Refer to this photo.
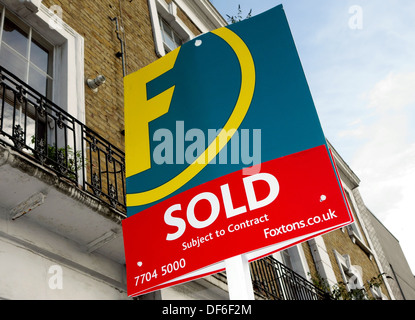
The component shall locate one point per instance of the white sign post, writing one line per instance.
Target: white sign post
(239, 278)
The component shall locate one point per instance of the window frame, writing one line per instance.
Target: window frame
(298, 261)
(174, 36)
(168, 12)
(32, 37)
(353, 227)
(68, 90)
(347, 272)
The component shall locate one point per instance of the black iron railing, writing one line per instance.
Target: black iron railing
(38, 128)
(273, 280)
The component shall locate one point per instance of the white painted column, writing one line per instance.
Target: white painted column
(239, 278)
(322, 259)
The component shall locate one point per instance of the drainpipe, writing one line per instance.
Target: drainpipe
(122, 53)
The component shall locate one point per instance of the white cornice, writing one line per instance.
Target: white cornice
(344, 168)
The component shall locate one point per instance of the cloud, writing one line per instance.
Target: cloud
(387, 130)
(388, 149)
(385, 161)
(393, 93)
(400, 217)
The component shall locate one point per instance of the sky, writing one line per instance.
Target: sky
(359, 60)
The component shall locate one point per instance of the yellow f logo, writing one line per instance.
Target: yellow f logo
(139, 112)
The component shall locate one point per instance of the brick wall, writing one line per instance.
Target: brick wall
(341, 242)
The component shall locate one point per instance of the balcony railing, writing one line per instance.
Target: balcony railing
(35, 126)
(272, 280)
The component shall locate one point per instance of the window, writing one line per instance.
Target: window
(286, 258)
(26, 54)
(353, 226)
(171, 39)
(169, 30)
(352, 276)
(55, 65)
(29, 57)
(294, 259)
(43, 51)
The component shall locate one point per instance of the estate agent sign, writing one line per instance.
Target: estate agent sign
(225, 155)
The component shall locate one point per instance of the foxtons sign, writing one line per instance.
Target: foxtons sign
(225, 155)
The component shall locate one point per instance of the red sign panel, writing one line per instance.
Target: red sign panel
(293, 197)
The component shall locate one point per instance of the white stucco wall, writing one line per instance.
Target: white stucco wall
(37, 264)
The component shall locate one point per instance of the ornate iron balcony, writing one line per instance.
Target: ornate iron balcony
(36, 127)
(272, 280)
